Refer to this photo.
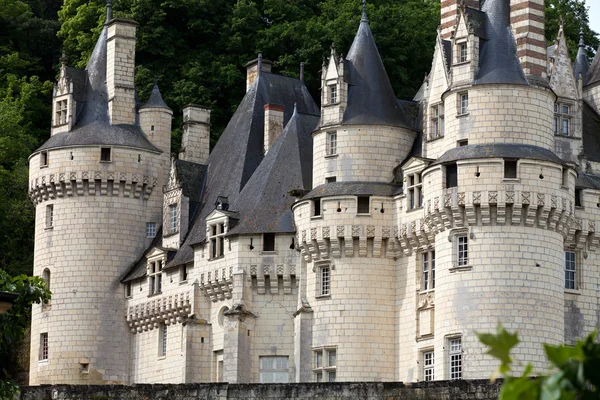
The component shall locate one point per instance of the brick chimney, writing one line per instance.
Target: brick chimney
(253, 67)
(449, 14)
(120, 70)
(527, 21)
(195, 142)
(273, 124)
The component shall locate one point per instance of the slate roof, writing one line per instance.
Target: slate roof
(354, 189)
(78, 78)
(371, 99)
(447, 53)
(265, 203)
(498, 61)
(477, 21)
(191, 177)
(581, 65)
(92, 125)
(591, 133)
(587, 181)
(593, 74)
(497, 150)
(239, 151)
(155, 100)
(138, 268)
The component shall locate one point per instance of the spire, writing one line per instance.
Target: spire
(108, 10)
(364, 12)
(581, 65)
(498, 60)
(371, 99)
(155, 100)
(260, 62)
(302, 71)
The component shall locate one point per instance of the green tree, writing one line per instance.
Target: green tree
(14, 322)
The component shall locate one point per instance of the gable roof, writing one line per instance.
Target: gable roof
(591, 133)
(593, 74)
(265, 203)
(371, 99)
(239, 151)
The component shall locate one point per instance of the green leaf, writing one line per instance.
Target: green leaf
(500, 346)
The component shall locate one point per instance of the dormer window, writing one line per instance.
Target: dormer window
(562, 119)
(462, 52)
(216, 238)
(414, 193)
(61, 112)
(332, 94)
(172, 218)
(155, 275)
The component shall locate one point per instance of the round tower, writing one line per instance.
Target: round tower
(96, 186)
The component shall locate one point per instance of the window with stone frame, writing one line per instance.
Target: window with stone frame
(216, 240)
(183, 273)
(323, 280)
(462, 250)
(428, 362)
(414, 192)
(43, 159)
(162, 340)
(43, 353)
(50, 216)
(510, 168)
(563, 118)
(173, 218)
(333, 94)
(150, 229)
(325, 364)
(462, 52)
(61, 112)
(274, 369)
(463, 103)
(155, 272)
(269, 242)
(455, 365)
(572, 273)
(427, 259)
(437, 121)
(331, 143)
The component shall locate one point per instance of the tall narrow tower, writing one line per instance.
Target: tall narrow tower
(96, 186)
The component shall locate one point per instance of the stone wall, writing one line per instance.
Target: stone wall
(447, 390)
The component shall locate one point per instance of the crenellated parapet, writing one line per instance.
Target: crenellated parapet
(90, 183)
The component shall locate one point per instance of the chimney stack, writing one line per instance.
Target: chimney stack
(195, 143)
(120, 70)
(252, 69)
(527, 21)
(273, 124)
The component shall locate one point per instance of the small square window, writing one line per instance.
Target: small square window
(43, 159)
(150, 229)
(463, 142)
(363, 205)
(268, 242)
(330, 179)
(331, 143)
(105, 154)
(510, 169)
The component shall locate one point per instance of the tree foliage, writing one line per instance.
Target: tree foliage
(575, 370)
(575, 16)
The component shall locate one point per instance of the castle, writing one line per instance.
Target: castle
(367, 239)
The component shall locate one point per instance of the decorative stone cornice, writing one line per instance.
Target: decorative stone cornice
(168, 309)
(283, 272)
(217, 285)
(90, 183)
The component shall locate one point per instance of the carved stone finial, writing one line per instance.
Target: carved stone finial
(64, 59)
(108, 10)
(364, 11)
(302, 71)
(581, 42)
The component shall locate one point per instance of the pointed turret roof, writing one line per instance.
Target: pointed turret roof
(371, 99)
(593, 74)
(498, 60)
(155, 100)
(582, 64)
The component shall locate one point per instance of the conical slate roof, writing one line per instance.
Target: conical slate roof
(593, 74)
(264, 205)
(371, 99)
(582, 64)
(155, 100)
(498, 60)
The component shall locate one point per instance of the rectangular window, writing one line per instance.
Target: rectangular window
(566, 125)
(556, 119)
(274, 369)
(578, 198)
(455, 358)
(570, 270)
(332, 94)
(155, 275)
(462, 51)
(428, 366)
(451, 176)
(463, 105)
(462, 251)
(363, 205)
(463, 142)
(183, 276)
(128, 288)
(325, 364)
(562, 119)
(61, 112)
(162, 340)
(437, 121)
(330, 179)
(510, 169)
(565, 177)
(331, 143)
(415, 191)
(172, 218)
(428, 270)
(216, 238)
(43, 347)
(50, 216)
(268, 242)
(150, 229)
(43, 159)
(317, 209)
(324, 281)
(105, 154)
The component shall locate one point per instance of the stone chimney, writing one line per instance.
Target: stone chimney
(273, 124)
(252, 69)
(449, 14)
(120, 71)
(527, 21)
(195, 143)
